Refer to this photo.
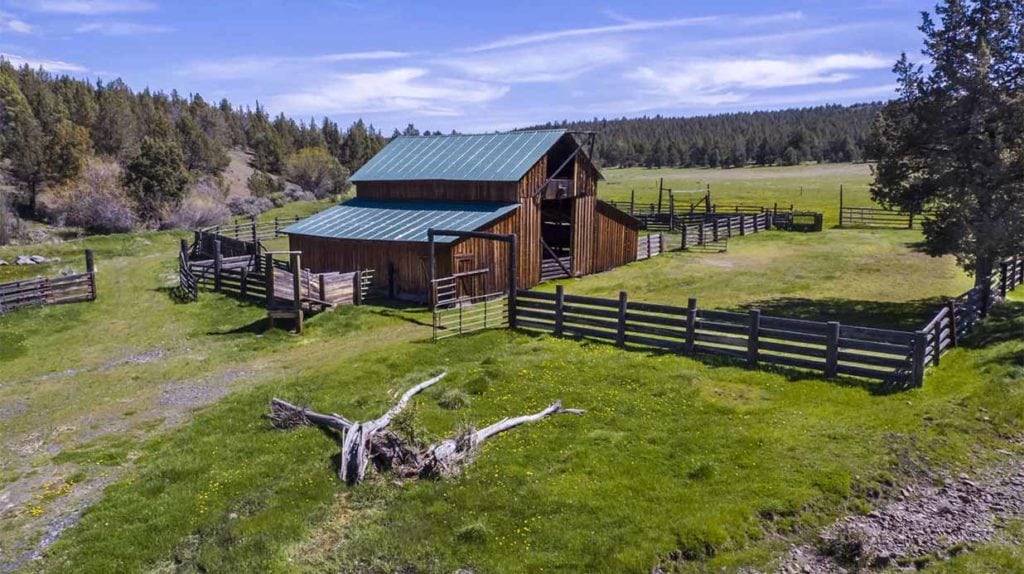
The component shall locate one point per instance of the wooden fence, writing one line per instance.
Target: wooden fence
(829, 348)
(877, 217)
(50, 290)
(648, 246)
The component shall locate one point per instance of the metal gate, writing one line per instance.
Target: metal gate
(455, 314)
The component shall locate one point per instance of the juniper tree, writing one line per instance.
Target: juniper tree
(953, 139)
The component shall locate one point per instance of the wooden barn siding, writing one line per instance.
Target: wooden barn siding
(528, 217)
(585, 248)
(615, 243)
(321, 254)
(487, 254)
(438, 190)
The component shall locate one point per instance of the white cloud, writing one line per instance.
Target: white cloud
(709, 77)
(11, 23)
(550, 63)
(123, 29)
(626, 26)
(258, 66)
(48, 65)
(400, 89)
(90, 7)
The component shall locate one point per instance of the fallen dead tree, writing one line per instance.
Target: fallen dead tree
(371, 441)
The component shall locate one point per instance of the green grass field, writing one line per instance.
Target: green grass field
(806, 187)
(147, 414)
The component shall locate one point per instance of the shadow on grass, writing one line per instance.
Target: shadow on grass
(791, 374)
(257, 327)
(903, 316)
(1004, 323)
(395, 309)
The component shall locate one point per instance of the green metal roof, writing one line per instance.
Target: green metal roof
(481, 157)
(380, 220)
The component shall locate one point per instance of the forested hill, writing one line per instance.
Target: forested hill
(824, 134)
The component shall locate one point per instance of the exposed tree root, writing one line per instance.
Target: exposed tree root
(363, 442)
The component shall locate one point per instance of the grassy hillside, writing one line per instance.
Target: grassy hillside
(132, 426)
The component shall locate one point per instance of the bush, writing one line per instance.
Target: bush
(453, 400)
(249, 206)
(262, 184)
(95, 201)
(197, 212)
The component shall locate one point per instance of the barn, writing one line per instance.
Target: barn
(539, 185)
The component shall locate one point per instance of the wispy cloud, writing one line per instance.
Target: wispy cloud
(46, 64)
(90, 7)
(254, 66)
(549, 63)
(715, 75)
(11, 23)
(627, 25)
(400, 89)
(123, 29)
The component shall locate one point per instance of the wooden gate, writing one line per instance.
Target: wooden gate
(455, 314)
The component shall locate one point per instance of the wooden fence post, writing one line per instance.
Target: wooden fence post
(937, 342)
(752, 338)
(840, 205)
(691, 324)
(277, 226)
(1004, 280)
(919, 351)
(632, 201)
(357, 286)
(649, 253)
(296, 265)
(832, 350)
(683, 242)
(986, 295)
(269, 272)
(620, 336)
(217, 262)
(743, 225)
(951, 305)
(559, 310)
(244, 282)
(90, 268)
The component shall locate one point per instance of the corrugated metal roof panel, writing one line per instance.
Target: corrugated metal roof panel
(379, 220)
(481, 157)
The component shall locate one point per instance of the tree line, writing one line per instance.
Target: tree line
(62, 136)
(830, 133)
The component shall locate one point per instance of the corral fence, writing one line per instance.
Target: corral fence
(830, 348)
(878, 217)
(454, 314)
(648, 246)
(960, 314)
(240, 237)
(59, 290)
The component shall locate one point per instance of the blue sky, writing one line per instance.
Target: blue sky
(476, 65)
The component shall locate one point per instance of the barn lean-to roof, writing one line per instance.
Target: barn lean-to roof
(499, 157)
(396, 220)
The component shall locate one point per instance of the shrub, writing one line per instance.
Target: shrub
(197, 212)
(453, 400)
(249, 206)
(473, 533)
(262, 184)
(315, 170)
(95, 201)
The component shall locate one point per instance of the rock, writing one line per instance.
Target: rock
(24, 260)
(2, 263)
(38, 258)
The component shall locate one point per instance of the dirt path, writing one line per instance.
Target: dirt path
(935, 519)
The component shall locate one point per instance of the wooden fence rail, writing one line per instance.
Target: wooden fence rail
(829, 348)
(50, 290)
(648, 246)
(878, 217)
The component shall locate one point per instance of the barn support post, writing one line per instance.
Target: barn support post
(431, 272)
(753, 335)
(632, 201)
(691, 324)
(661, 187)
(832, 350)
(840, 205)
(357, 288)
(216, 265)
(392, 288)
(513, 279)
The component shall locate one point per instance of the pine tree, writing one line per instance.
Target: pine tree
(156, 178)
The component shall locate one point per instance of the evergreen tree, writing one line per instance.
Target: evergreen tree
(156, 178)
(954, 139)
(21, 138)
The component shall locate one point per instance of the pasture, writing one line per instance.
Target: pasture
(145, 414)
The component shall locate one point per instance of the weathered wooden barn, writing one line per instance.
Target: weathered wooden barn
(539, 185)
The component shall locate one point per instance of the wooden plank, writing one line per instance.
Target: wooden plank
(656, 308)
(817, 352)
(881, 335)
(797, 362)
(590, 322)
(797, 325)
(594, 301)
(592, 333)
(723, 351)
(887, 348)
(724, 316)
(667, 344)
(679, 321)
(867, 372)
(704, 337)
(659, 331)
(722, 327)
(523, 295)
(877, 360)
(792, 336)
